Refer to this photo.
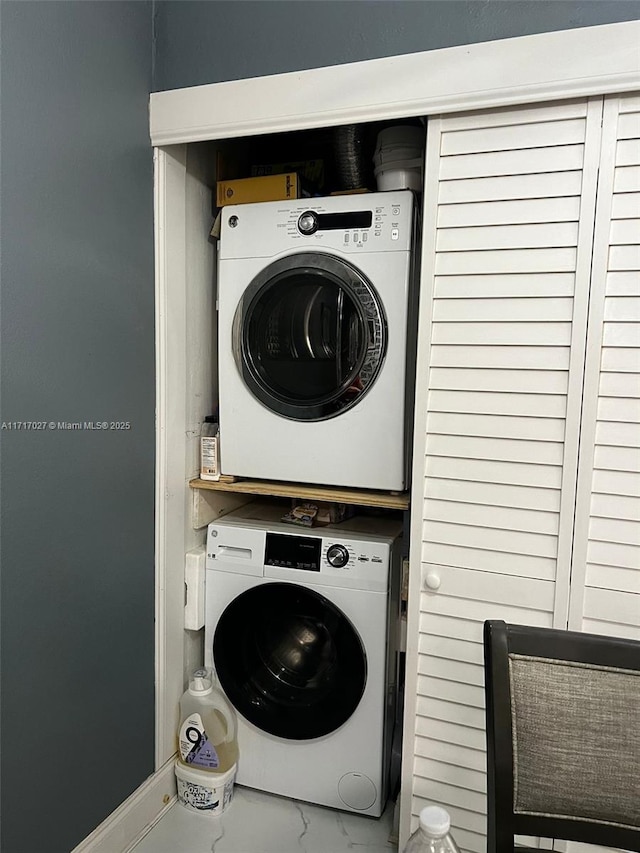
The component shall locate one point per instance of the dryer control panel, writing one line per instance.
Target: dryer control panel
(381, 222)
(367, 222)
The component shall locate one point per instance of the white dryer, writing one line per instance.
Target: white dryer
(302, 632)
(315, 336)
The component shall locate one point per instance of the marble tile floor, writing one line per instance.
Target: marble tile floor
(256, 822)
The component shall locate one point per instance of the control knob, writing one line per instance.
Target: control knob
(337, 556)
(308, 222)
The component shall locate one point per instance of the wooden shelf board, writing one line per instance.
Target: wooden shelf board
(358, 497)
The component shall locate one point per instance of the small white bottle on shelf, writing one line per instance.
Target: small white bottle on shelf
(210, 449)
(432, 836)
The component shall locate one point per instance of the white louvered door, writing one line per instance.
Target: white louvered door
(509, 208)
(605, 589)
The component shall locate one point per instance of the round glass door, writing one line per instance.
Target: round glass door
(309, 336)
(289, 661)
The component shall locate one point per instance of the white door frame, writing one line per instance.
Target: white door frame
(529, 69)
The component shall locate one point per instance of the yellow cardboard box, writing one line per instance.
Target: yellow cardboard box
(264, 188)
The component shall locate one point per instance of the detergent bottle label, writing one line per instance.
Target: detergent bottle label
(195, 747)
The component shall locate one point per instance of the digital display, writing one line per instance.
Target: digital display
(293, 552)
(338, 221)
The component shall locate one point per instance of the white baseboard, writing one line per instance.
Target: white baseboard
(132, 820)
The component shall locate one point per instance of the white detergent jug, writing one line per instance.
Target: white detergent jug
(207, 735)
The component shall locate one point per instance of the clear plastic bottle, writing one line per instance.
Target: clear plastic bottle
(207, 734)
(432, 836)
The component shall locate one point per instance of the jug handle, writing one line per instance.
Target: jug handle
(229, 723)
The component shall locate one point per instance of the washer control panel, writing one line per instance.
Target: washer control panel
(358, 559)
(313, 556)
(330, 558)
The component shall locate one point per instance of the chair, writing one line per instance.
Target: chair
(563, 737)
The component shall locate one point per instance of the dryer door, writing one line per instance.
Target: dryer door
(289, 661)
(309, 336)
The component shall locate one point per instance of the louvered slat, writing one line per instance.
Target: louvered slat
(624, 205)
(564, 158)
(540, 235)
(623, 307)
(627, 180)
(482, 355)
(618, 458)
(628, 153)
(477, 378)
(621, 359)
(472, 759)
(500, 449)
(452, 691)
(514, 260)
(499, 403)
(503, 310)
(458, 798)
(513, 137)
(461, 777)
(559, 111)
(552, 184)
(511, 518)
(625, 580)
(502, 495)
(620, 384)
(467, 611)
(450, 733)
(562, 209)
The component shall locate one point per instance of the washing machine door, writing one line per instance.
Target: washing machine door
(309, 336)
(289, 661)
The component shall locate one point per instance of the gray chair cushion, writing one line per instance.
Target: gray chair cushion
(576, 740)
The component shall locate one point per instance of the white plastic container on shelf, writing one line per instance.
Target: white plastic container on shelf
(398, 158)
(204, 792)
(432, 836)
(393, 155)
(404, 138)
(401, 175)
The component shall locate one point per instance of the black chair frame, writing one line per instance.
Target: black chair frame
(501, 640)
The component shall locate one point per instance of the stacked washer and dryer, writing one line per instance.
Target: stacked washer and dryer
(316, 302)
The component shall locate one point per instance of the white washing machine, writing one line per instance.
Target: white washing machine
(316, 334)
(302, 632)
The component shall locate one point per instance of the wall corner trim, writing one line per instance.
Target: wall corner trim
(125, 826)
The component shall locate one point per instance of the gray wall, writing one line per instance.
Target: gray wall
(206, 42)
(77, 345)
